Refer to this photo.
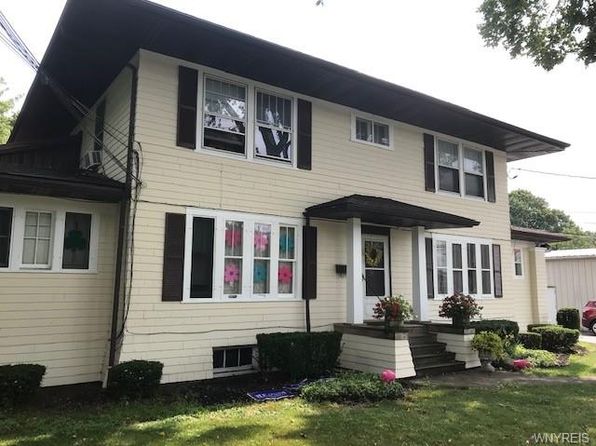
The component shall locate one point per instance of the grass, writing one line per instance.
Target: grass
(433, 416)
(579, 365)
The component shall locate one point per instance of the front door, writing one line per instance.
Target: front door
(375, 261)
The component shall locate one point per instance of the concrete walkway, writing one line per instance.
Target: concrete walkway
(586, 337)
(477, 378)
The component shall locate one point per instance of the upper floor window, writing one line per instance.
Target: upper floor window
(224, 117)
(518, 262)
(459, 165)
(371, 131)
(273, 127)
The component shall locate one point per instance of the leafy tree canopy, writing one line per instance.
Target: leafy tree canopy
(530, 211)
(544, 30)
(7, 115)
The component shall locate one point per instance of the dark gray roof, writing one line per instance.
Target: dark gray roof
(95, 39)
(387, 212)
(536, 235)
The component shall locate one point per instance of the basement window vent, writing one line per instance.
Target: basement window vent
(233, 360)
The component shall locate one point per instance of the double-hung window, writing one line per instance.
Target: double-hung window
(460, 265)
(460, 169)
(518, 263)
(273, 127)
(371, 131)
(241, 256)
(224, 115)
(37, 240)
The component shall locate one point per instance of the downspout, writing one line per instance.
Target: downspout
(307, 295)
(123, 219)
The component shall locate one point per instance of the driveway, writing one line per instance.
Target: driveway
(586, 337)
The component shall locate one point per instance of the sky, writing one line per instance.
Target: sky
(431, 46)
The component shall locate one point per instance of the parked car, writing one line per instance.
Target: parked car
(589, 316)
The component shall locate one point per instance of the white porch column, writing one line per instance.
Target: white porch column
(354, 273)
(419, 291)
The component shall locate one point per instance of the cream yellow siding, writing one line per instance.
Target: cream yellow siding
(116, 127)
(182, 335)
(60, 320)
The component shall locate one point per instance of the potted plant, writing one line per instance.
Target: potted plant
(394, 310)
(489, 346)
(460, 308)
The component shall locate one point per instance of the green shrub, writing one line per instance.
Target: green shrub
(530, 340)
(531, 327)
(557, 339)
(538, 358)
(352, 388)
(301, 355)
(19, 382)
(568, 318)
(487, 341)
(134, 379)
(502, 327)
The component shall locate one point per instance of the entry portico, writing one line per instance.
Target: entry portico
(368, 214)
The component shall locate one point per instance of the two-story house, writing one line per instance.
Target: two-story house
(172, 188)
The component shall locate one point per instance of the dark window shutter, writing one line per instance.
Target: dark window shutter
(5, 235)
(309, 262)
(497, 271)
(173, 258)
(304, 135)
(490, 177)
(429, 162)
(186, 133)
(430, 284)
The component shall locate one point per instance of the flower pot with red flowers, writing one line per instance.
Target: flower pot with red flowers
(394, 310)
(460, 308)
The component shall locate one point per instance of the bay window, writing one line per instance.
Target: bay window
(241, 256)
(224, 116)
(460, 169)
(273, 127)
(456, 266)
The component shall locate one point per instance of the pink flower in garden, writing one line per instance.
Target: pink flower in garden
(231, 273)
(285, 274)
(261, 241)
(388, 376)
(520, 364)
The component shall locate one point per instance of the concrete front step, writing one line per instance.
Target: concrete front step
(431, 347)
(418, 339)
(432, 358)
(440, 368)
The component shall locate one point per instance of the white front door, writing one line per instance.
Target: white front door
(375, 263)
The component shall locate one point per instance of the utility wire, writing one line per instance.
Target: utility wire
(553, 173)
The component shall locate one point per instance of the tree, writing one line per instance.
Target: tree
(530, 211)
(7, 115)
(541, 30)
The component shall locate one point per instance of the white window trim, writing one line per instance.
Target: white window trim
(521, 254)
(238, 370)
(249, 220)
(462, 184)
(51, 254)
(251, 107)
(58, 212)
(291, 131)
(374, 119)
(450, 240)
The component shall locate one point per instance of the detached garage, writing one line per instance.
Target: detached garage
(572, 272)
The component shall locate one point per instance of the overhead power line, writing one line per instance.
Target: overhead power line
(556, 174)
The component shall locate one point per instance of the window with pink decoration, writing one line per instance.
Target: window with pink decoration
(262, 258)
(287, 259)
(232, 276)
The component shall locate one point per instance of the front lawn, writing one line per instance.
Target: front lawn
(498, 416)
(579, 365)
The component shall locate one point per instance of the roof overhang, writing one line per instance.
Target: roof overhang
(78, 184)
(536, 235)
(94, 40)
(388, 212)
